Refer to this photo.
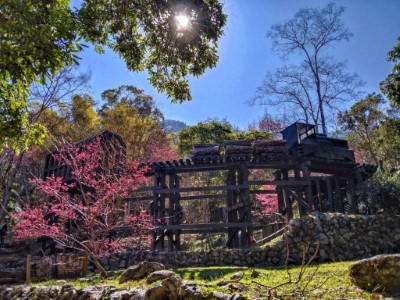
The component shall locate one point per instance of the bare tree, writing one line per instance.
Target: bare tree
(55, 93)
(16, 168)
(319, 82)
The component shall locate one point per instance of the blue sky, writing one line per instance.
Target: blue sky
(246, 56)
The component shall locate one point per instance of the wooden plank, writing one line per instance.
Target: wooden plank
(206, 196)
(281, 182)
(272, 236)
(203, 230)
(201, 189)
(300, 201)
(208, 225)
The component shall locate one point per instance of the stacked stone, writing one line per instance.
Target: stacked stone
(340, 237)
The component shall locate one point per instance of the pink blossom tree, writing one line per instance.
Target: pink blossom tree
(83, 211)
(269, 202)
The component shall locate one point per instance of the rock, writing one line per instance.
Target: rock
(237, 276)
(255, 273)
(379, 273)
(168, 289)
(237, 297)
(159, 275)
(140, 271)
(323, 239)
(93, 292)
(295, 223)
(132, 294)
(192, 292)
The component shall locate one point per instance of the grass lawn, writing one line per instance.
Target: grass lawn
(318, 281)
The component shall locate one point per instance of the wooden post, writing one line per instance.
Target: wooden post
(286, 195)
(85, 264)
(245, 211)
(351, 195)
(319, 194)
(177, 214)
(28, 269)
(338, 195)
(232, 214)
(171, 211)
(330, 193)
(162, 211)
(299, 192)
(281, 201)
(309, 194)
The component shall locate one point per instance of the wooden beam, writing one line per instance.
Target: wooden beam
(201, 189)
(206, 196)
(272, 236)
(281, 182)
(208, 225)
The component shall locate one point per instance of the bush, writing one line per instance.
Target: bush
(380, 193)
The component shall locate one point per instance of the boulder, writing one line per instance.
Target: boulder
(379, 273)
(168, 289)
(140, 271)
(160, 275)
(131, 294)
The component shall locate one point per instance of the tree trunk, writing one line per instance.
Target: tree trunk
(99, 267)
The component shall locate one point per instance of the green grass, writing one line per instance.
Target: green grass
(319, 281)
(323, 281)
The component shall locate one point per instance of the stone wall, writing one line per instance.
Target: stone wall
(340, 237)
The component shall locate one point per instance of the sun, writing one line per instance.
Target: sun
(183, 22)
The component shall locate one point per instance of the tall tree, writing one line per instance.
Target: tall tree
(373, 129)
(84, 118)
(134, 115)
(319, 82)
(133, 97)
(144, 136)
(170, 39)
(363, 120)
(208, 132)
(391, 85)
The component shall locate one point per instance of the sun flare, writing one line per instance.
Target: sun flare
(183, 22)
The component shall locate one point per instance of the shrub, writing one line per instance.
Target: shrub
(380, 193)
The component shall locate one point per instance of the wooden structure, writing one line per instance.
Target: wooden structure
(113, 155)
(296, 188)
(306, 179)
